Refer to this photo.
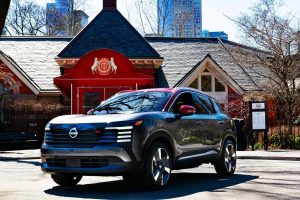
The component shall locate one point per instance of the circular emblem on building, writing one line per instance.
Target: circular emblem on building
(104, 66)
(73, 133)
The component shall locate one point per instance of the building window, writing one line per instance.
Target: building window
(206, 83)
(194, 84)
(219, 87)
(90, 100)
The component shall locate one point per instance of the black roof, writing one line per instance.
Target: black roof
(109, 30)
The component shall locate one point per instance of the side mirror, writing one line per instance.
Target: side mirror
(187, 110)
(90, 112)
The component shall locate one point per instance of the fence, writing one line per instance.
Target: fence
(283, 130)
(27, 118)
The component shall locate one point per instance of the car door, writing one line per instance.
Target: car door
(210, 122)
(187, 127)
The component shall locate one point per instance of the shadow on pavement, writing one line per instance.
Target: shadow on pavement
(24, 161)
(182, 184)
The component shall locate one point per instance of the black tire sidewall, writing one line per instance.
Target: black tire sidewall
(66, 180)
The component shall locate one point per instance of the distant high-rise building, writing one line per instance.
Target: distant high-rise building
(215, 34)
(50, 16)
(64, 6)
(180, 18)
(63, 20)
(80, 19)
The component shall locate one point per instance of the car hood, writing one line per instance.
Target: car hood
(84, 119)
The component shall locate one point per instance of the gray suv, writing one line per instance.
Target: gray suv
(141, 135)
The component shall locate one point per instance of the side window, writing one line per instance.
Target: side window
(183, 99)
(216, 106)
(206, 102)
(200, 107)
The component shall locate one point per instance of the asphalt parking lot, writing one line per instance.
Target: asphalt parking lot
(254, 179)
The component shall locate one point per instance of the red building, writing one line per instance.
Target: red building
(51, 76)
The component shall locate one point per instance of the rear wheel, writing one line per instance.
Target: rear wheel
(227, 163)
(66, 179)
(158, 166)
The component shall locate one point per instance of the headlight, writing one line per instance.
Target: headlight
(47, 127)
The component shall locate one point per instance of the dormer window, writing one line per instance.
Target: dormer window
(208, 82)
(219, 87)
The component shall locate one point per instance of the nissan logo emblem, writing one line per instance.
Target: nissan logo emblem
(73, 133)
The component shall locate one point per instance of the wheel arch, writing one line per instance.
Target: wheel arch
(163, 137)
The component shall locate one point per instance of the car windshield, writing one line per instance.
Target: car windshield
(133, 102)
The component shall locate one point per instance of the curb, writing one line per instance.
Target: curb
(269, 158)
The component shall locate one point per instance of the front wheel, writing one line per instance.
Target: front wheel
(227, 163)
(66, 179)
(158, 166)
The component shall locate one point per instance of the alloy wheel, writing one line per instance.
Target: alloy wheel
(161, 166)
(230, 158)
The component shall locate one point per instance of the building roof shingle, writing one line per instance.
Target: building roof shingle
(181, 55)
(35, 57)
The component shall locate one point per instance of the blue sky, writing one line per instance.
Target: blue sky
(213, 12)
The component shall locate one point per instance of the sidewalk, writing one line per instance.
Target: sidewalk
(293, 155)
(20, 155)
(279, 154)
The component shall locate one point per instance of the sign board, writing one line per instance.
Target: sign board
(258, 113)
(258, 106)
(259, 120)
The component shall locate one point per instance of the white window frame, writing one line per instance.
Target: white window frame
(213, 77)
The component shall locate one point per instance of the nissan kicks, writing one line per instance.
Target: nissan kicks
(141, 135)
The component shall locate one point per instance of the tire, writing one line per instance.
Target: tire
(65, 179)
(158, 167)
(227, 163)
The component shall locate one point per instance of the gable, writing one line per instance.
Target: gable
(208, 65)
(12, 80)
(109, 30)
(182, 55)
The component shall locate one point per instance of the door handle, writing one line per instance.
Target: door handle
(221, 122)
(199, 122)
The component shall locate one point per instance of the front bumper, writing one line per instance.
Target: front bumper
(98, 160)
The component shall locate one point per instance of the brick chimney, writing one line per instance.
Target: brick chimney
(109, 4)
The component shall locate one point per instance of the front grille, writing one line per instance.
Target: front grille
(88, 135)
(81, 162)
(93, 163)
(56, 162)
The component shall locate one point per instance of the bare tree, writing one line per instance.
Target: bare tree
(25, 18)
(279, 36)
(66, 20)
(159, 17)
(153, 15)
